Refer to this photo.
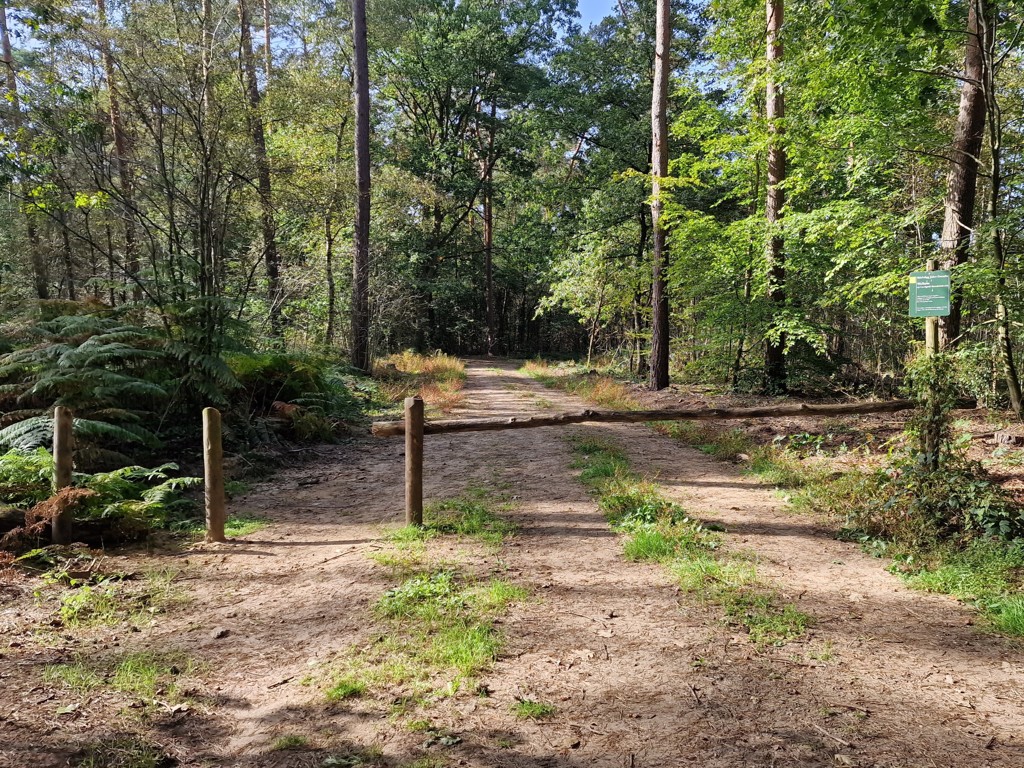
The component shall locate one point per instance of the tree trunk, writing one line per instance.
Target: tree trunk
(40, 275)
(775, 350)
(987, 35)
(125, 173)
(659, 170)
(488, 195)
(361, 258)
(962, 181)
(275, 298)
(329, 265)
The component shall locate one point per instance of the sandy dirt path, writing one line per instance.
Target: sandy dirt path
(641, 675)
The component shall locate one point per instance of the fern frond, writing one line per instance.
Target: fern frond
(28, 434)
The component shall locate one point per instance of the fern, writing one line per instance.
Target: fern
(28, 434)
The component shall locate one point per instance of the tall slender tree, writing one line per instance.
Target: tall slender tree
(271, 257)
(775, 350)
(659, 170)
(122, 150)
(360, 353)
(962, 181)
(40, 277)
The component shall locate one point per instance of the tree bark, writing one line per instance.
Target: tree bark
(122, 161)
(987, 36)
(271, 258)
(659, 170)
(775, 349)
(360, 354)
(962, 181)
(488, 200)
(40, 274)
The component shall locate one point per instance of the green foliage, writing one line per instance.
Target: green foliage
(26, 478)
(127, 499)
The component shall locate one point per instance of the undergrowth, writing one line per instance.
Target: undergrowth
(661, 531)
(437, 378)
(590, 385)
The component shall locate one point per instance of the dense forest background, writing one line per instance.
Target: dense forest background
(186, 171)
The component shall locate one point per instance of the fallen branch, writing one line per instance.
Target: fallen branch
(388, 428)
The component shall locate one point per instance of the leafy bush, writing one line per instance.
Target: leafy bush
(312, 393)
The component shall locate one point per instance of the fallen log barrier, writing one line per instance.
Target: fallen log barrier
(447, 426)
(414, 428)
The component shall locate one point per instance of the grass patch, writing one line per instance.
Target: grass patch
(766, 622)
(437, 378)
(600, 390)
(147, 675)
(93, 605)
(440, 625)
(112, 601)
(987, 574)
(243, 525)
(528, 709)
(473, 514)
(658, 530)
(289, 741)
(122, 752)
(346, 687)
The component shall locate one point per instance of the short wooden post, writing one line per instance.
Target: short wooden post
(213, 464)
(63, 465)
(414, 461)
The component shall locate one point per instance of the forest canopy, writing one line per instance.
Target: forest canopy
(190, 169)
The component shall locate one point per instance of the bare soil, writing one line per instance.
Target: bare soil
(640, 674)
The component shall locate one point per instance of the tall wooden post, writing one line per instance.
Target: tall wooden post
(933, 428)
(63, 464)
(414, 461)
(931, 324)
(213, 465)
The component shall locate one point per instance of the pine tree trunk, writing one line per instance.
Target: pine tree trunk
(962, 181)
(775, 351)
(271, 259)
(40, 274)
(488, 195)
(361, 258)
(121, 158)
(659, 170)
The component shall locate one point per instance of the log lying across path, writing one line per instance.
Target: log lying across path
(387, 428)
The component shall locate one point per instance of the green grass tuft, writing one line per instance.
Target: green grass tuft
(528, 709)
(290, 741)
(347, 687)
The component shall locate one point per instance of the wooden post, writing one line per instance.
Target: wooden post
(933, 428)
(213, 464)
(931, 324)
(63, 464)
(414, 461)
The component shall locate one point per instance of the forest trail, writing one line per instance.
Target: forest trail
(640, 675)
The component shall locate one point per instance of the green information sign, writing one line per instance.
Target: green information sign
(929, 293)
